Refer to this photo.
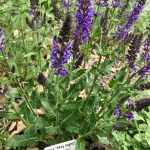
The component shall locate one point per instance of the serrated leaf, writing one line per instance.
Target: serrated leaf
(10, 115)
(48, 108)
(51, 130)
(21, 141)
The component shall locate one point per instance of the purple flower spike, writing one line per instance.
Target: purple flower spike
(122, 32)
(84, 16)
(144, 71)
(60, 57)
(129, 116)
(146, 48)
(65, 4)
(133, 50)
(2, 40)
(116, 3)
(117, 112)
(35, 14)
(101, 3)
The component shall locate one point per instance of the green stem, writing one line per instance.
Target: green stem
(5, 59)
(20, 117)
(96, 74)
(24, 45)
(68, 6)
(95, 78)
(28, 102)
(57, 101)
(39, 51)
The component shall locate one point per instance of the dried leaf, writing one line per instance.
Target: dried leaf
(39, 88)
(50, 42)
(16, 34)
(82, 94)
(13, 124)
(2, 98)
(41, 111)
(20, 128)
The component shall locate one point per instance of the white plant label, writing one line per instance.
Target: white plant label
(69, 145)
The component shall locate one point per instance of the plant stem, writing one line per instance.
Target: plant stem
(95, 78)
(28, 102)
(96, 74)
(68, 6)
(57, 102)
(24, 46)
(38, 49)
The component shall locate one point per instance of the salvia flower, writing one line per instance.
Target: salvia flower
(78, 61)
(77, 55)
(116, 3)
(122, 32)
(56, 11)
(83, 17)
(130, 105)
(119, 127)
(145, 70)
(141, 104)
(117, 112)
(133, 50)
(32, 4)
(129, 116)
(65, 32)
(124, 7)
(2, 40)
(146, 48)
(60, 57)
(128, 38)
(65, 4)
(41, 79)
(104, 22)
(101, 3)
(142, 87)
(35, 15)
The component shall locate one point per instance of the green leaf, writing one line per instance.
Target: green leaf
(138, 117)
(78, 74)
(10, 114)
(103, 140)
(29, 54)
(49, 110)
(118, 78)
(139, 137)
(80, 145)
(51, 130)
(143, 127)
(147, 136)
(106, 67)
(22, 141)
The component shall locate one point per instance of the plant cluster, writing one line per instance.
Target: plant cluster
(74, 70)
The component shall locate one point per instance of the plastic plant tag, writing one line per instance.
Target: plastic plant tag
(69, 145)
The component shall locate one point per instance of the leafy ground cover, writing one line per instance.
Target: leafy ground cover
(75, 70)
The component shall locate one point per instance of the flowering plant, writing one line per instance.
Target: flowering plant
(74, 70)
